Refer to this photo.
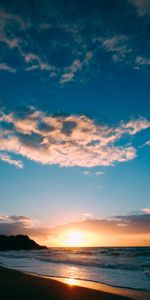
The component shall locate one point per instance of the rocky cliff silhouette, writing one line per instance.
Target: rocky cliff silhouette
(18, 242)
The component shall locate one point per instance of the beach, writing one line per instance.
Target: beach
(18, 285)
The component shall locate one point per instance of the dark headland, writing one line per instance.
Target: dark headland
(18, 242)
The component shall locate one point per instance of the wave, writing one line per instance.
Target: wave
(117, 266)
(137, 259)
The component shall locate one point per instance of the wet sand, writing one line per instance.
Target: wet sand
(21, 286)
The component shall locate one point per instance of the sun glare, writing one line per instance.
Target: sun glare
(70, 281)
(75, 238)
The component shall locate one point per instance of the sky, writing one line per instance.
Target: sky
(75, 121)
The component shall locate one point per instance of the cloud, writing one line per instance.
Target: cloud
(86, 173)
(123, 228)
(66, 50)
(9, 21)
(147, 143)
(66, 140)
(99, 173)
(35, 62)
(123, 224)
(117, 45)
(135, 126)
(142, 6)
(6, 158)
(20, 220)
(77, 65)
(87, 215)
(7, 68)
(12, 27)
(141, 62)
(16, 33)
(94, 173)
(146, 210)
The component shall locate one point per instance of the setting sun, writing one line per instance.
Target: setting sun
(75, 238)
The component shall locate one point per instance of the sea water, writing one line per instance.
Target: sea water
(122, 267)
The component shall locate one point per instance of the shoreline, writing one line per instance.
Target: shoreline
(60, 288)
(128, 292)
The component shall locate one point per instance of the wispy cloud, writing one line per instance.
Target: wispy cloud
(8, 36)
(6, 158)
(141, 62)
(7, 68)
(35, 62)
(147, 143)
(88, 215)
(117, 45)
(135, 126)
(77, 47)
(99, 173)
(78, 64)
(86, 172)
(142, 6)
(94, 173)
(67, 140)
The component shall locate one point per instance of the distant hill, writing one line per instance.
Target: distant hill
(18, 242)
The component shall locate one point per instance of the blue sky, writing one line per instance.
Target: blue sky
(74, 110)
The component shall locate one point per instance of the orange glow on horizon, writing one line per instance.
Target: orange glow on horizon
(71, 281)
(75, 238)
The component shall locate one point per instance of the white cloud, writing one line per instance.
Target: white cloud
(6, 158)
(67, 140)
(87, 216)
(99, 173)
(87, 172)
(7, 68)
(147, 143)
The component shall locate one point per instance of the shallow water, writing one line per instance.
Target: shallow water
(122, 267)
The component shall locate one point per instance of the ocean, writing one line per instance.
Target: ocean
(121, 267)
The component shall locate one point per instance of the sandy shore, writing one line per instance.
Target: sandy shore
(20, 286)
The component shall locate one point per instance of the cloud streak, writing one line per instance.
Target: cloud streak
(78, 64)
(21, 220)
(117, 45)
(115, 229)
(6, 158)
(7, 68)
(66, 140)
